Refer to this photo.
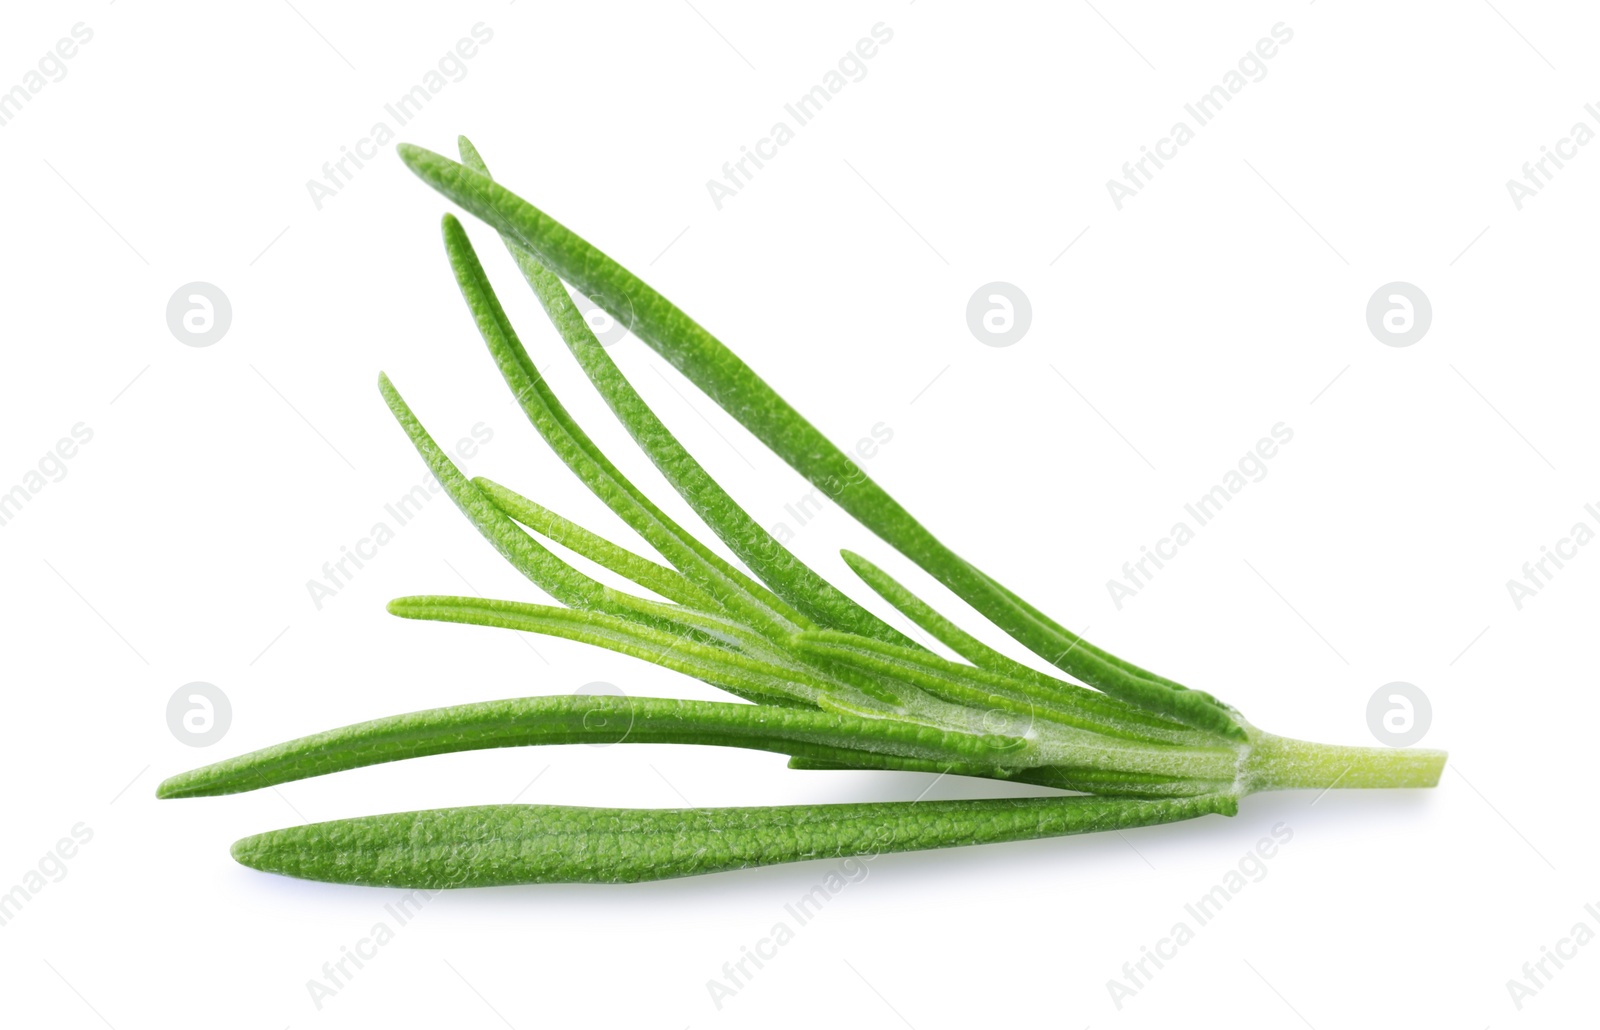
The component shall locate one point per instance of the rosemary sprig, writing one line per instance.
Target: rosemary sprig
(833, 685)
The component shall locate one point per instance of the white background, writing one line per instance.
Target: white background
(1226, 297)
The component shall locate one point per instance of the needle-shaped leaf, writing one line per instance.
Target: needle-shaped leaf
(577, 719)
(675, 648)
(940, 628)
(494, 845)
(669, 583)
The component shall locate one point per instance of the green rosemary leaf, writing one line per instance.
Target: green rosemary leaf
(669, 583)
(675, 648)
(576, 719)
(494, 845)
(940, 628)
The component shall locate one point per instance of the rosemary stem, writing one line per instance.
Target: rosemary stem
(1281, 763)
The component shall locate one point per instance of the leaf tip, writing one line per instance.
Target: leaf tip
(409, 607)
(469, 153)
(412, 154)
(252, 852)
(455, 238)
(391, 396)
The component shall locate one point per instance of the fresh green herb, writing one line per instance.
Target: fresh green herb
(493, 845)
(834, 686)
